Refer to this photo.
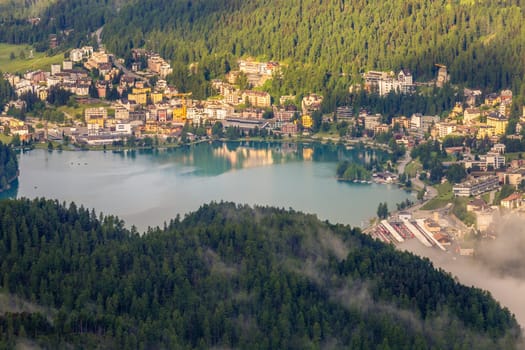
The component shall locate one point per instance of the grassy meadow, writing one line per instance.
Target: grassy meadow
(40, 60)
(444, 197)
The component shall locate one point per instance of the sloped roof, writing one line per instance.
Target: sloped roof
(512, 197)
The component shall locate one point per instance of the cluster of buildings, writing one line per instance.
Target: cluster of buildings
(489, 173)
(39, 82)
(403, 227)
(68, 75)
(235, 97)
(158, 109)
(488, 120)
(15, 127)
(163, 111)
(155, 65)
(385, 82)
(257, 73)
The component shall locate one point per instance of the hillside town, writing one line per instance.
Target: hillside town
(113, 103)
(159, 109)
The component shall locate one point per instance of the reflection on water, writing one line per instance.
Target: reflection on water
(215, 158)
(244, 157)
(12, 192)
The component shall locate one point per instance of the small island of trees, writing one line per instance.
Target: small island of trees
(347, 171)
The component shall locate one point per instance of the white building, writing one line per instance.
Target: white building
(445, 129)
(121, 113)
(372, 121)
(493, 159)
(55, 68)
(498, 148)
(415, 121)
(123, 128)
(76, 55)
(93, 129)
(67, 65)
(476, 186)
(23, 86)
(386, 82)
(428, 121)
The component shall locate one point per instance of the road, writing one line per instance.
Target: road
(120, 66)
(431, 191)
(97, 34)
(128, 72)
(403, 163)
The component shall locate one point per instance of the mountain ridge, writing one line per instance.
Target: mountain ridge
(230, 276)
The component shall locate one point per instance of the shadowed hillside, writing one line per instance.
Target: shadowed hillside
(229, 276)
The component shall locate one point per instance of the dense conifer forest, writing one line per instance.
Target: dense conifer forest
(6, 91)
(228, 276)
(479, 41)
(8, 166)
(71, 21)
(325, 45)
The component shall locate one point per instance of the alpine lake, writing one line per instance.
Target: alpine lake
(149, 187)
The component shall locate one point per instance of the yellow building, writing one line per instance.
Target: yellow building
(151, 126)
(307, 121)
(180, 113)
(156, 97)
(138, 98)
(95, 115)
(402, 121)
(492, 99)
(457, 110)
(257, 98)
(15, 123)
(485, 130)
(96, 120)
(499, 123)
(42, 94)
(140, 90)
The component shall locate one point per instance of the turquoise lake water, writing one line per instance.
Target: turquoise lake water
(147, 188)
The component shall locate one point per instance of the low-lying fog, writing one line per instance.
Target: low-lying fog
(499, 265)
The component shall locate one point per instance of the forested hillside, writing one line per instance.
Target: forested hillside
(229, 276)
(326, 44)
(71, 21)
(8, 166)
(481, 42)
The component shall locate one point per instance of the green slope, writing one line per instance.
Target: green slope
(342, 37)
(71, 21)
(230, 276)
(481, 41)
